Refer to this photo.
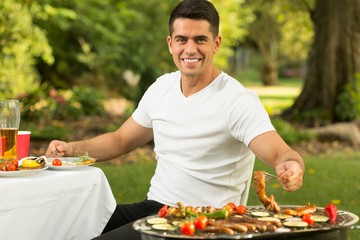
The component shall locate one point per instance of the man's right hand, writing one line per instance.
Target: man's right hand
(58, 148)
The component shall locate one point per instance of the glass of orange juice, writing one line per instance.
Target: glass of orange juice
(9, 126)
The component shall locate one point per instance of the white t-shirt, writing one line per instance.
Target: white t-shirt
(201, 140)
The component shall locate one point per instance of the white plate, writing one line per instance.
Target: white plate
(21, 173)
(68, 163)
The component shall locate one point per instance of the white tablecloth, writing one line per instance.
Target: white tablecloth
(64, 205)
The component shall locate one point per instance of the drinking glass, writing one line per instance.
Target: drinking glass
(9, 126)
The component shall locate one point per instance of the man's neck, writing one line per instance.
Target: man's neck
(193, 84)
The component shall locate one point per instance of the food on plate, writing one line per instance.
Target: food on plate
(320, 218)
(300, 211)
(201, 222)
(30, 164)
(241, 209)
(209, 221)
(56, 162)
(72, 161)
(84, 160)
(260, 214)
(219, 230)
(187, 228)
(308, 218)
(331, 211)
(282, 216)
(163, 227)
(156, 220)
(232, 220)
(10, 165)
(296, 224)
(268, 202)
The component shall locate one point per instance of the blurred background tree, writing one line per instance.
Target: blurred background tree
(21, 43)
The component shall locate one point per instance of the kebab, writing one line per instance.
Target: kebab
(268, 202)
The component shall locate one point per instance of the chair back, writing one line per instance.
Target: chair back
(245, 194)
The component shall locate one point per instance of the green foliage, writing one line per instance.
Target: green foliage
(45, 132)
(235, 17)
(348, 102)
(90, 100)
(21, 44)
(48, 104)
(289, 133)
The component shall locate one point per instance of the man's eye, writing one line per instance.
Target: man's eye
(201, 40)
(180, 40)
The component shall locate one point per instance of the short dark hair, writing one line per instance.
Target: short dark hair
(198, 10)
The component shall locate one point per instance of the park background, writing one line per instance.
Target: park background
(80, 67)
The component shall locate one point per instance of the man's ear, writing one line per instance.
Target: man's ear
(217, 44)
(169, 44)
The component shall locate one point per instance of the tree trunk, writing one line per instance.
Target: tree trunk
(333, 61)
(264, 31)
(270, 73)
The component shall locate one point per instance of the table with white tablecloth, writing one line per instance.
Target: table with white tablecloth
(71, 204)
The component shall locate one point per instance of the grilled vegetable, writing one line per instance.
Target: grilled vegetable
(331, 211)
(319, 218)
(156, 220)
(219, 214)
(308, 218)
(163, 211)
(187, 228)
(163, 227)
(296, 224)
(260, 214)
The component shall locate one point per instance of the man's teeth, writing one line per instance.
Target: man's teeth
(190, 60)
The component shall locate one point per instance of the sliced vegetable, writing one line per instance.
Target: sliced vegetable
(156, 220)
(320, 218)
(293, 219)
(331, 211)
(282, 216)
(296, 224)
(163, 227)
(260, 214)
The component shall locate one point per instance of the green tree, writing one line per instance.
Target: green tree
(235, 18)
(282, 32)
(21, 44)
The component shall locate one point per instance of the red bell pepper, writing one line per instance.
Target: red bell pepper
(163, 211)
(331, 211)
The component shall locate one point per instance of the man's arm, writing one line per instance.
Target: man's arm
(128, 137)
(288, 164)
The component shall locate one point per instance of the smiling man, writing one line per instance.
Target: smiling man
(193, 44)
(206, 127)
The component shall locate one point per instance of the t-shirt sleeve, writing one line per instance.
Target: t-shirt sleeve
(248, 118)
(142, 113)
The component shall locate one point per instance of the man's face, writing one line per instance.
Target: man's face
(193, 46)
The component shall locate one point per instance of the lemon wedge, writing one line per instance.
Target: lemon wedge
(30, 163)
